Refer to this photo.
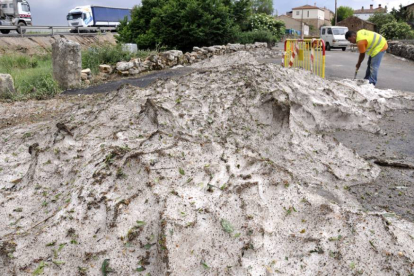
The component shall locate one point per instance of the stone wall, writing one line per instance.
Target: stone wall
(398, 48)
(172, 58)
(355, 24)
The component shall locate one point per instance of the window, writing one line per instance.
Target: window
(25, 8)
(308, 13)
(323, 31)
(74, 16)
(330, 31)
(341, 31)
(4, 6)
(297, 12)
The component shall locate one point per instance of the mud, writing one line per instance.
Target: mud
(229, 170)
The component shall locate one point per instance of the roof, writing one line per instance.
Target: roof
(353, 17)
(283, 15)
(307, 7)
(325, 9)
(409, 5)
(362, 11)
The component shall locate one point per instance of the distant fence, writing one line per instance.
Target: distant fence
(308, 54)
(25, 30)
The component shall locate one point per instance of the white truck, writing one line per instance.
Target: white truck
(97, 16)
(334, 37)
(14, 13)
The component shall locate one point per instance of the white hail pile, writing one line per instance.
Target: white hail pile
(222, 172)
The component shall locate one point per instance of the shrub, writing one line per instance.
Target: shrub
(264, 22)
(95, 56)
(183, 24)
(256, 36)
(39, 86)
(396, 30)
(380, 19)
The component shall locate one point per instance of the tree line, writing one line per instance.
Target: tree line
(183, 24)
(398, 24)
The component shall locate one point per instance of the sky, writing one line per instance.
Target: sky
(53, 12)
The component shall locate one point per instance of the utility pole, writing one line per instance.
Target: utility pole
(301, 25)
(336, 12)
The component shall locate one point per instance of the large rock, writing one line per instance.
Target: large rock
(107, 69)
(130, 47)
(67, 63)
(6, 84)
(124, 66)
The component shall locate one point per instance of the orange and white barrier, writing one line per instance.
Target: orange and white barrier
(308, 54)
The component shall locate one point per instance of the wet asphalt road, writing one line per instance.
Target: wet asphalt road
(395, 73)
(141, 81)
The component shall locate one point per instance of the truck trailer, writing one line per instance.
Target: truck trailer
(14, 13)
(97, 16)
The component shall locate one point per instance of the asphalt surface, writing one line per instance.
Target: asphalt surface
(394, 73)
(393, 190)
(141, 81)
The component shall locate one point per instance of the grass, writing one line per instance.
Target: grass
(95, 56)
(33, 75)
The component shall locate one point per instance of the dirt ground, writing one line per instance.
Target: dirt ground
(231, 169)
(42, 44)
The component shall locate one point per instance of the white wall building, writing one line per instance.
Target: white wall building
(365, 14)
(310, 15)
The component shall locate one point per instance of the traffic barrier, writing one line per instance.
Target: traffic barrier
(308, 54)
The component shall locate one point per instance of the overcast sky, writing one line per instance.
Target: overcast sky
(53, 12)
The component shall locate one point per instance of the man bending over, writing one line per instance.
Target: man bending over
(374, 45)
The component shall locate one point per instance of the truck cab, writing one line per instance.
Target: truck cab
(334, 37)
(15, 13)
(80, 17)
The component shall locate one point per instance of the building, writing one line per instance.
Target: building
(355, 24)
(293, 24)
(329, 15)
(365, 14)
(311, 15)
(410, 7)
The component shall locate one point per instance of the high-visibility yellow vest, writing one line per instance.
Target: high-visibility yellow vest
(376, 42)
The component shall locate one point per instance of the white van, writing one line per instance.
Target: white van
(334, 37)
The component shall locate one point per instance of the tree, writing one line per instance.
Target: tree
(241, 11)
(263, 22)
(403, 15)
(183, 24)
(397, 30)
(262, 6)
(343, 13)
(380, 19)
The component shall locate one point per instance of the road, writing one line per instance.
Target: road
(394, 73)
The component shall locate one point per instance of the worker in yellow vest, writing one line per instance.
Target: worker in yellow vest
(374, 45)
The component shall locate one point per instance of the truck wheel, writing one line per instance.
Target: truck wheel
(344, 49)
(21, 24)
(5, 31)
(328, 47)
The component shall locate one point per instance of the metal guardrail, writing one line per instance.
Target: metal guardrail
(21, 29)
